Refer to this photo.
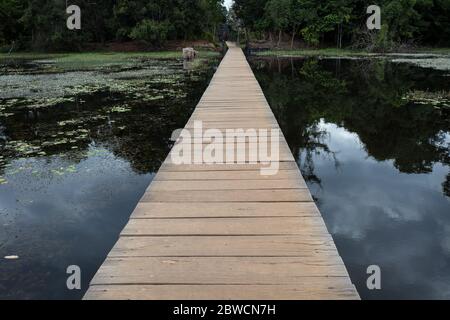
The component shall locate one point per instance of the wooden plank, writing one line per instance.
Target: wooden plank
(216, 270)
(224, 126)
(250, 195)
(314, 288)
(239, 158)
(168, 166)
(241, 143)
(238, 132)
(207, 185)
(198, 246)
(224, 209)
(218, 119)
(224, 152)
(227, 175)
(225, 226)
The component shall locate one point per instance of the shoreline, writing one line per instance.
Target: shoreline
(333, 52)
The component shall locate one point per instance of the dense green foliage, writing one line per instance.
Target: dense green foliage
(343, 22)
(41, 24)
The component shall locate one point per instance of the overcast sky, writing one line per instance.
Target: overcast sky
(228, 3)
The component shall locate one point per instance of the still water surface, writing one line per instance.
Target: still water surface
(376, 161)
(373, 149)
(77, 150)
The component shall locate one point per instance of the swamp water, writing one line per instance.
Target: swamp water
(77, 151)
(372, 139)
(78, 148)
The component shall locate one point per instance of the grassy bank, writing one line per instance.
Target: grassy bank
(333, 52)
(92, 60)
(96, 56)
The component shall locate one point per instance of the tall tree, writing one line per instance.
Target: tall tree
(279, 13)
(10, 12)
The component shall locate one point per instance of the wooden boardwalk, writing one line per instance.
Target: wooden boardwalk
(224, 231)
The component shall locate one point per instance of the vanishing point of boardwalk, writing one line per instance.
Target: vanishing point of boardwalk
(225, 231)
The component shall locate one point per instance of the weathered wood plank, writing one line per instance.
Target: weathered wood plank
(224, 209)
(225, 226)
(206, 185)
(227, 175)
(269, 195)
(198, 246)
(313, 288)
(168, 166)
(216, 270)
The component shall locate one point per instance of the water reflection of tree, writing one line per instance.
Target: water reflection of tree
(365, 97)
(288, 99)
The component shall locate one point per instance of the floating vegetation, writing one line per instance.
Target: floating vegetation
(50, 102)
(46, 114)
(152, 98)
(25, 168)
(437, 63)
(22, 148)
(63, 140)
(171, 79)
(437, 99)
(71, 169)
(64, 170)
(69, 122)
(144, 80)
(120, 109)
(12, 105)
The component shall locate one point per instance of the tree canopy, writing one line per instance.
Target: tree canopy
(343, 22)
(41, 24)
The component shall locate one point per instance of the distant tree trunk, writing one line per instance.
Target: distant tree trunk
(339, 36)
(293, 37)
(12, 47)
(279, 38)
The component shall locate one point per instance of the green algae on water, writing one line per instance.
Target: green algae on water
(437, 99)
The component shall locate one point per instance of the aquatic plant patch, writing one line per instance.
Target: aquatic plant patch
(436, 99)
(66, 112)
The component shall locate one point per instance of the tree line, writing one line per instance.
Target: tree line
(41, 24)
(343, 22)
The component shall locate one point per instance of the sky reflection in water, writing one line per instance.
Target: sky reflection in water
(376, 165)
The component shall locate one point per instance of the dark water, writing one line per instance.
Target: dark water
(376, 164)
(72, 170)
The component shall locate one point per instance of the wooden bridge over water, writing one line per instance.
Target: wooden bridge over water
(224, 231)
